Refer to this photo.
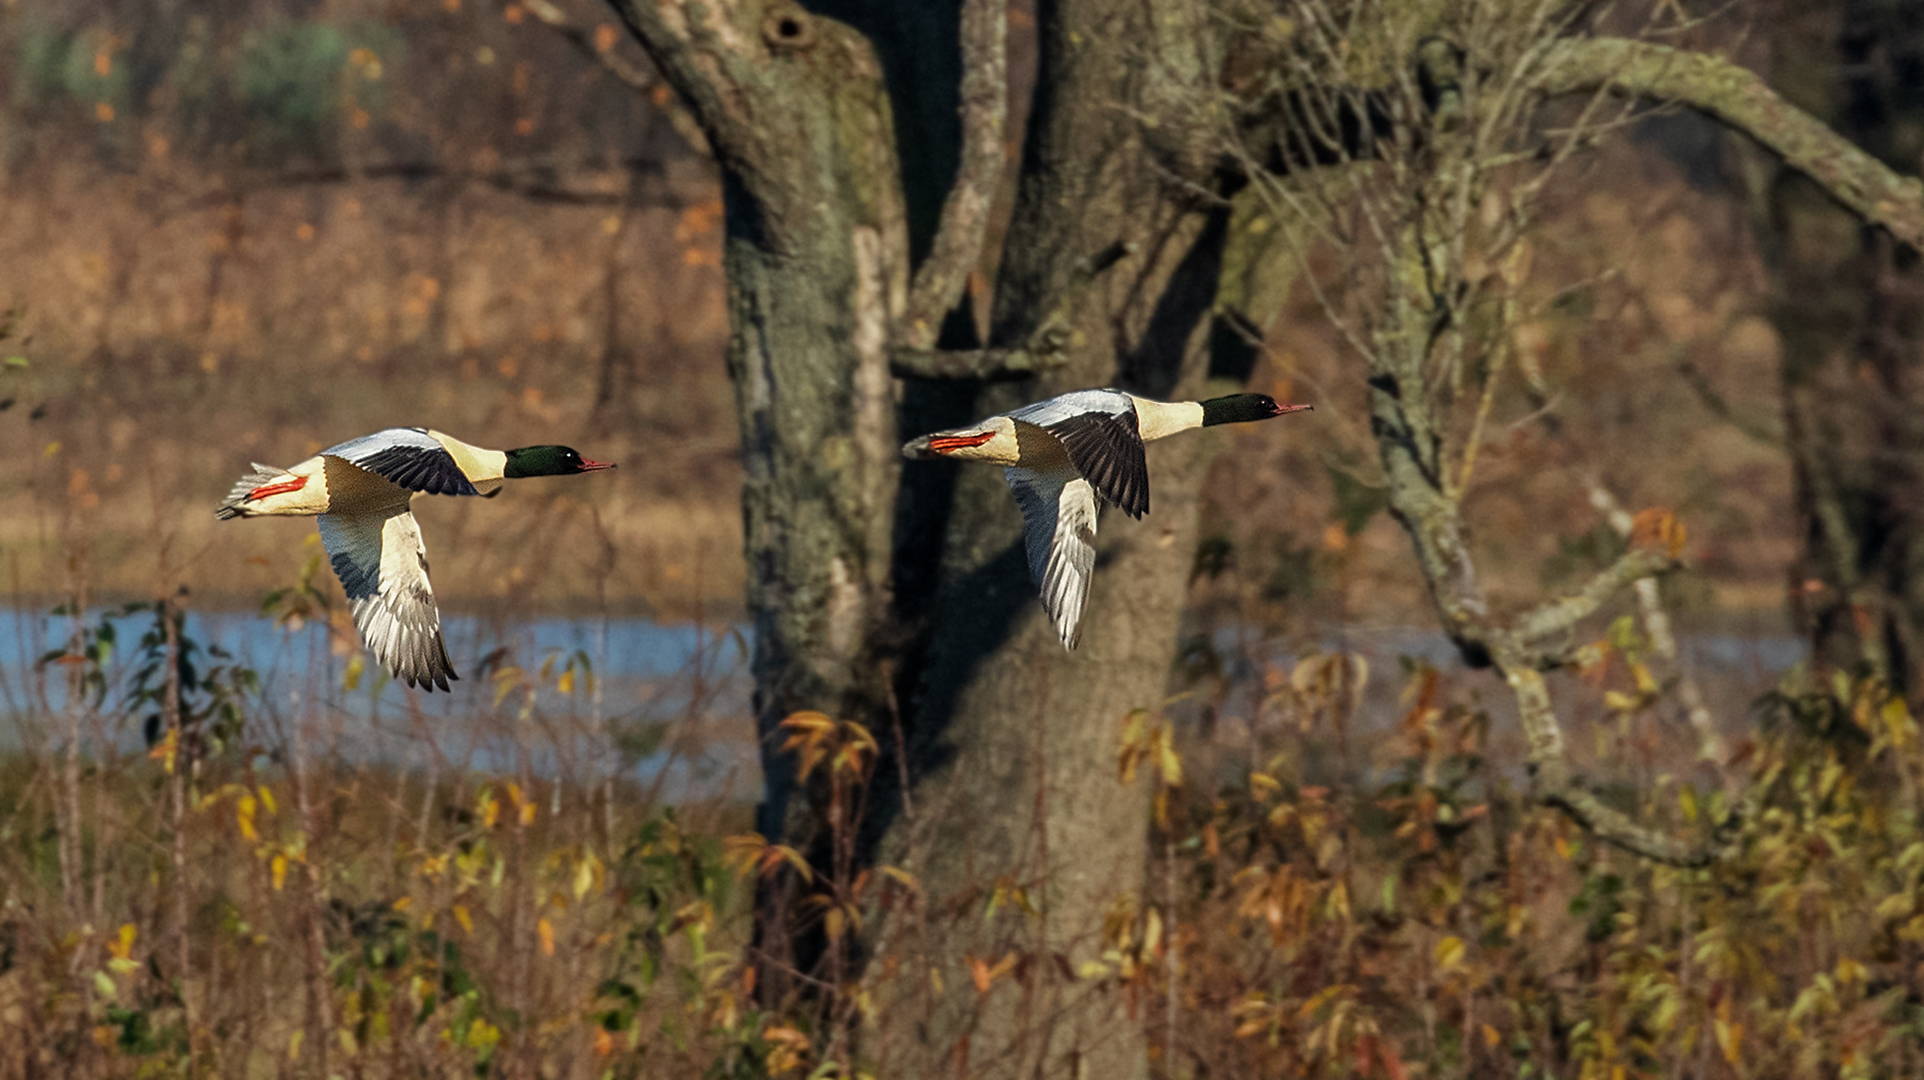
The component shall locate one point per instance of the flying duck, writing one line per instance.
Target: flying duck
(1061, 453)
(360, 491)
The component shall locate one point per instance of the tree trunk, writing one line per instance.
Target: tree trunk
(1849, 305)
(1016, 809)
(815, 254)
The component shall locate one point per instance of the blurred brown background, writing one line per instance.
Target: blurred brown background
(246, 230)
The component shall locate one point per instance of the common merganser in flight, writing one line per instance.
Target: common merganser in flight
(1061, 453)
(360, 491)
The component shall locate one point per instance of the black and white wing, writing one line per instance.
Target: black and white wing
(1099, 430)
(1059, 531)
(409, 457)
(384, 568)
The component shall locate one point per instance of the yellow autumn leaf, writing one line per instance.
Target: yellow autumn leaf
(1730, 1039)
(566, 683)
(1449, 952)
(244, 817)
(1491, 1037)
(279, 868)
(1167, 759)
(461, 916)
(546, 930)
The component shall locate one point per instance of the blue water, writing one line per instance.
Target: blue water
(673, 699)
(668, 705)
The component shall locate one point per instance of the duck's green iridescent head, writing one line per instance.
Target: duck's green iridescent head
(1243, 408)
(549, 461)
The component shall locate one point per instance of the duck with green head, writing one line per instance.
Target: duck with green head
(360, 492)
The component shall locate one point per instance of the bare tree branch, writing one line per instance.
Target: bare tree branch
(699, 53)
(1559, 615)
(1739, 98)
(1663, 642)
(988, 364)
(957, 247)
(637, 77)
(584, 42)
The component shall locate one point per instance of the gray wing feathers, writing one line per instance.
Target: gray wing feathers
(1059, 532)
(1074, 403)
(409, 457)
(1100, 432)
(383, 567)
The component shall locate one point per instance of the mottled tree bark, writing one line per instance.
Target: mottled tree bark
(795, 109)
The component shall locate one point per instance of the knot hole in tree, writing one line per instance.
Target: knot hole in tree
(788, 28)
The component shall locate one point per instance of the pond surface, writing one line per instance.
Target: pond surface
(667, 704)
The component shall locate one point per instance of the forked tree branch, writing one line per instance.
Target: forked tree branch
(1433, 521)
(1743, 101)
(957, 247)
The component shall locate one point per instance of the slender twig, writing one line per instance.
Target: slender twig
(1663, 641)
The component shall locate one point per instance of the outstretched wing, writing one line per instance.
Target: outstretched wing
(409, 457)
(1059, 531)
(383, 566)
(1100, 432)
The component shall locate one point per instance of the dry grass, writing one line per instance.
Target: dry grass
(168, 349)
(1343, 886)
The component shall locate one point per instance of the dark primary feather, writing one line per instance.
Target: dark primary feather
(409, 457)
(1106, 448)
(431, 472)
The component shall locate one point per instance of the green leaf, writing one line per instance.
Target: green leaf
(16, 361)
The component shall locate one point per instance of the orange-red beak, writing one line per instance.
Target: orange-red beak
(595, 466)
